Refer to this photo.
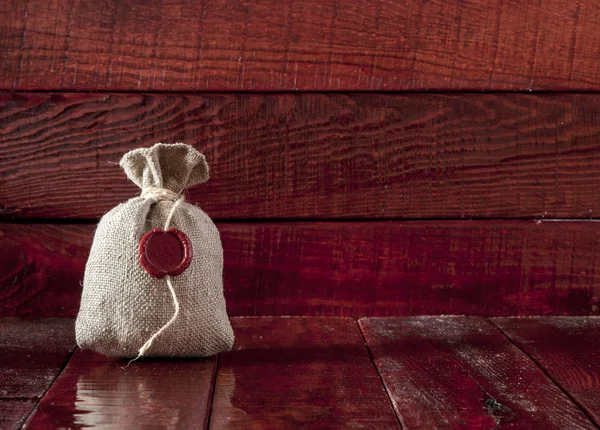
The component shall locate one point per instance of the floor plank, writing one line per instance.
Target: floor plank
(95, 391)
(307, 45)
(489, 268)
(14, 412)
(568, 348)
(311, 155)
(299, 373)
(461, 372)
(32, 353)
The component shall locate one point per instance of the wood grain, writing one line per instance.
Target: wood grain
(299, 373)
(32, 353)
(267, 45)
(460, 372)
(95, 391)
(311, 155)
(491, 268)
(569, 351)
(41, 268)
(14, 412)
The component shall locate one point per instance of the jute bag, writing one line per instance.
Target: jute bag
(137, 300)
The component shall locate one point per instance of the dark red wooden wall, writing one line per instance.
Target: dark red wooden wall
(367, 157)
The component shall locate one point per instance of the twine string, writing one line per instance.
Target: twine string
(162, 194)
(158, 193)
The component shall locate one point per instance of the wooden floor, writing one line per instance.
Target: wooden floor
(316, 372)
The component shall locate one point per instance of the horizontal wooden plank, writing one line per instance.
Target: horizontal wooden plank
(300, 45)
(95, 391)
(311, 155)
(460, 372)
(41, 268)
(568, 348)
(346, 268)
(14, 412)
(32, 353)
(299, 373)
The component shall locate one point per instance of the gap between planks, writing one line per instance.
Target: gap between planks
(546, 372)
(40, 398)
(94, 221)
(211, 397)
(385, 388)
(175, 92)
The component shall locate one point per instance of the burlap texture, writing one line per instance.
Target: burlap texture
(122, 305)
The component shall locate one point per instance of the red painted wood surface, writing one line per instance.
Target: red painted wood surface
(311, 155)
(299, 373)
(346, 269)
(14, 412)
(95, 391)
(460, 372)
(32, 353)
(299, 45)
(569, 351)
(41, 268)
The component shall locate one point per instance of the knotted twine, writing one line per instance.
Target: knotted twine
(157, 194)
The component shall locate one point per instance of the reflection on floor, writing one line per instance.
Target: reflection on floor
(414, 372)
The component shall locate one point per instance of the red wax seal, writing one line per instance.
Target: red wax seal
(165, 252)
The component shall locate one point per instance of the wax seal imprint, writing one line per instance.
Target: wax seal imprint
(165, 252)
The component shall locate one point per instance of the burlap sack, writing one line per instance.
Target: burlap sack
(122, 305)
